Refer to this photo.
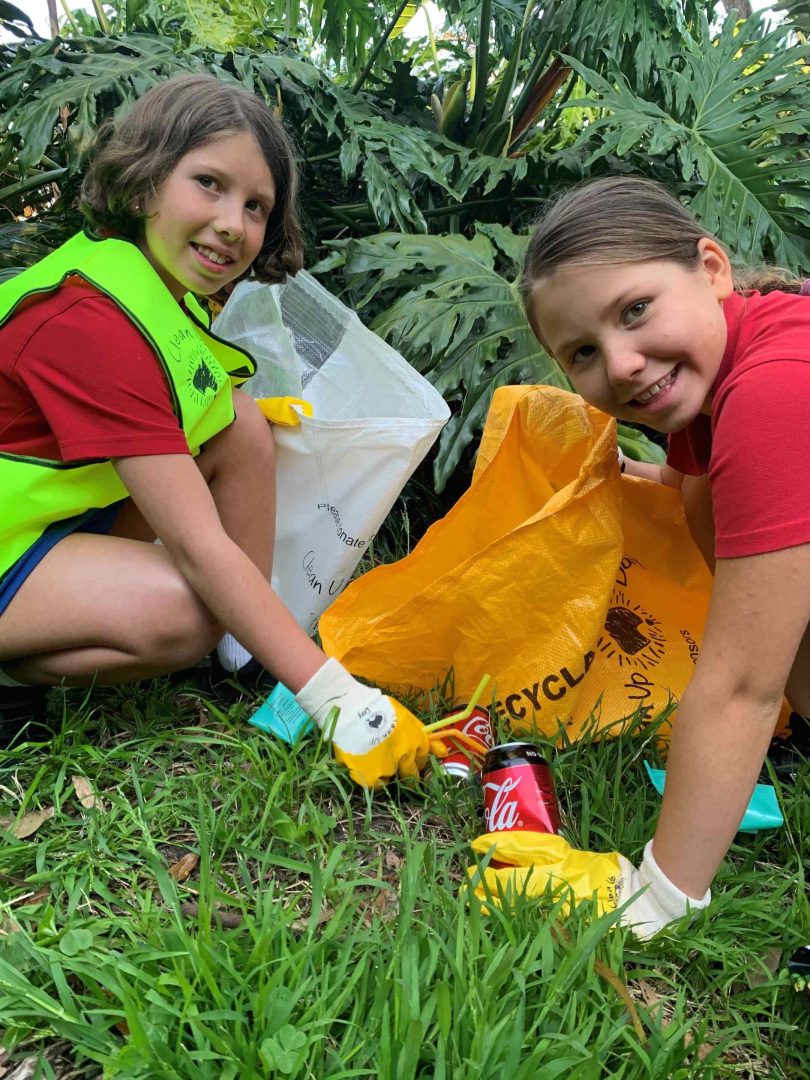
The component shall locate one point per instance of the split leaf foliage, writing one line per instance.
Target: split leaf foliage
(455, 142)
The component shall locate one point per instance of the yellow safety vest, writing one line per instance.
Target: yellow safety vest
(200, 370)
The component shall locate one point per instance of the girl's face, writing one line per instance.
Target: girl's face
(640, 341)
(206, 223)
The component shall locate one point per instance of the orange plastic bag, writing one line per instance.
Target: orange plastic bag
(578, 589)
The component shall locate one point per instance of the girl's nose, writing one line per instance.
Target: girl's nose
(623, 361)
(230, 222)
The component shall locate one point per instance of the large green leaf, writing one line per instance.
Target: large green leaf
(91, 76)
(456, 314)
(797, 11)
(15, 20)
(637, 36)
(347, 29)
(400, 163)
(733, 116)
(508, 16)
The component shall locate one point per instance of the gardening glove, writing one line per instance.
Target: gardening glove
(374, 736)
(530, 861)
(279, 410)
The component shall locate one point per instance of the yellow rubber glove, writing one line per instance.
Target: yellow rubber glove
(279, 410)
(374, 736)
(535, 860)
(403, 752)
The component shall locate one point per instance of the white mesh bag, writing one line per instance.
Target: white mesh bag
(339, 473)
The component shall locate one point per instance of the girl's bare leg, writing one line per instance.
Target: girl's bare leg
(114, 608)
(103, 609)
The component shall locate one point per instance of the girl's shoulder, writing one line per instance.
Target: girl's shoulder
(59, 304)
(769, 326)
(767, 334)
(74, 313)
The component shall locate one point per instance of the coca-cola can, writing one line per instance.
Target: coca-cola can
(467, 755)
(519, 792)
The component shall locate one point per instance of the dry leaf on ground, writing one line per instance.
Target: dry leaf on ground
(224, 917)
(769, 961)
(393, 861)
(84, 791)
(183, 867)
(324, 915)
(24, 1071)
(8, 926)
(652, 999)
(661, 1012)
(384, 905)
(27, 824)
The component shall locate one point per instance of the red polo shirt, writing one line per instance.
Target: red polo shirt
(78, 381)
(755, 446)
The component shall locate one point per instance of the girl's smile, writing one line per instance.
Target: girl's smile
(640, 341)
(207, 222)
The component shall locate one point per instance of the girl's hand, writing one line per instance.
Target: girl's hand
(532, 863)
(374, 736)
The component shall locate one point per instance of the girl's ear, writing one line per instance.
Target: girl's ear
(716, 265)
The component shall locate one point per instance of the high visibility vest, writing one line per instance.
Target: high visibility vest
(200, 370)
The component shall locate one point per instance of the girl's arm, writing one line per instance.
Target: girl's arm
(661, 474)
(759, 611)
(173, 497)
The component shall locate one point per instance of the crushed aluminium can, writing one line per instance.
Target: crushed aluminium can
(468, 756)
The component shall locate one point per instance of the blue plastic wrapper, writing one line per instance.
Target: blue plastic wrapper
(282, 716)
(763, 810)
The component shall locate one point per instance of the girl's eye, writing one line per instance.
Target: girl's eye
(256, 207)
(636, 311)
(582, 355)
(206, 181)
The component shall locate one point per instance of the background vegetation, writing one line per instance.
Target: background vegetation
(184, 897)
(425, 159)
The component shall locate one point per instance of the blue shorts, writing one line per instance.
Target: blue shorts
(93, 521)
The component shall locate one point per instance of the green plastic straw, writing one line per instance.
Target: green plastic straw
(458, 717)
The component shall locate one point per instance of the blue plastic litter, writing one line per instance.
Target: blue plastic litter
(763, 810)
(282, 716)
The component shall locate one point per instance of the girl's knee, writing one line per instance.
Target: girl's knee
(184, 632)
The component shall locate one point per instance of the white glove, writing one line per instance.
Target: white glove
(374, 736)
(366, 716)
(659, 904)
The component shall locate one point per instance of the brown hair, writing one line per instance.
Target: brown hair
(137, 153)
(625, 219)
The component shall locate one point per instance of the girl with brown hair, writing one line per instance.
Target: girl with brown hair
(641, 308)
(119, 423)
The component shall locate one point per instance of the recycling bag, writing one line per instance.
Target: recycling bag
(339, 471)
(578, 589)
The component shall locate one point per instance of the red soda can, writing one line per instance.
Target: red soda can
(468, 754)
(519, 792)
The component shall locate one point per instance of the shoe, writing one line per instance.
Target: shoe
(23, 715)
(788, 755)
(249, 680)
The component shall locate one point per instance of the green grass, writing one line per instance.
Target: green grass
(322, 934)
